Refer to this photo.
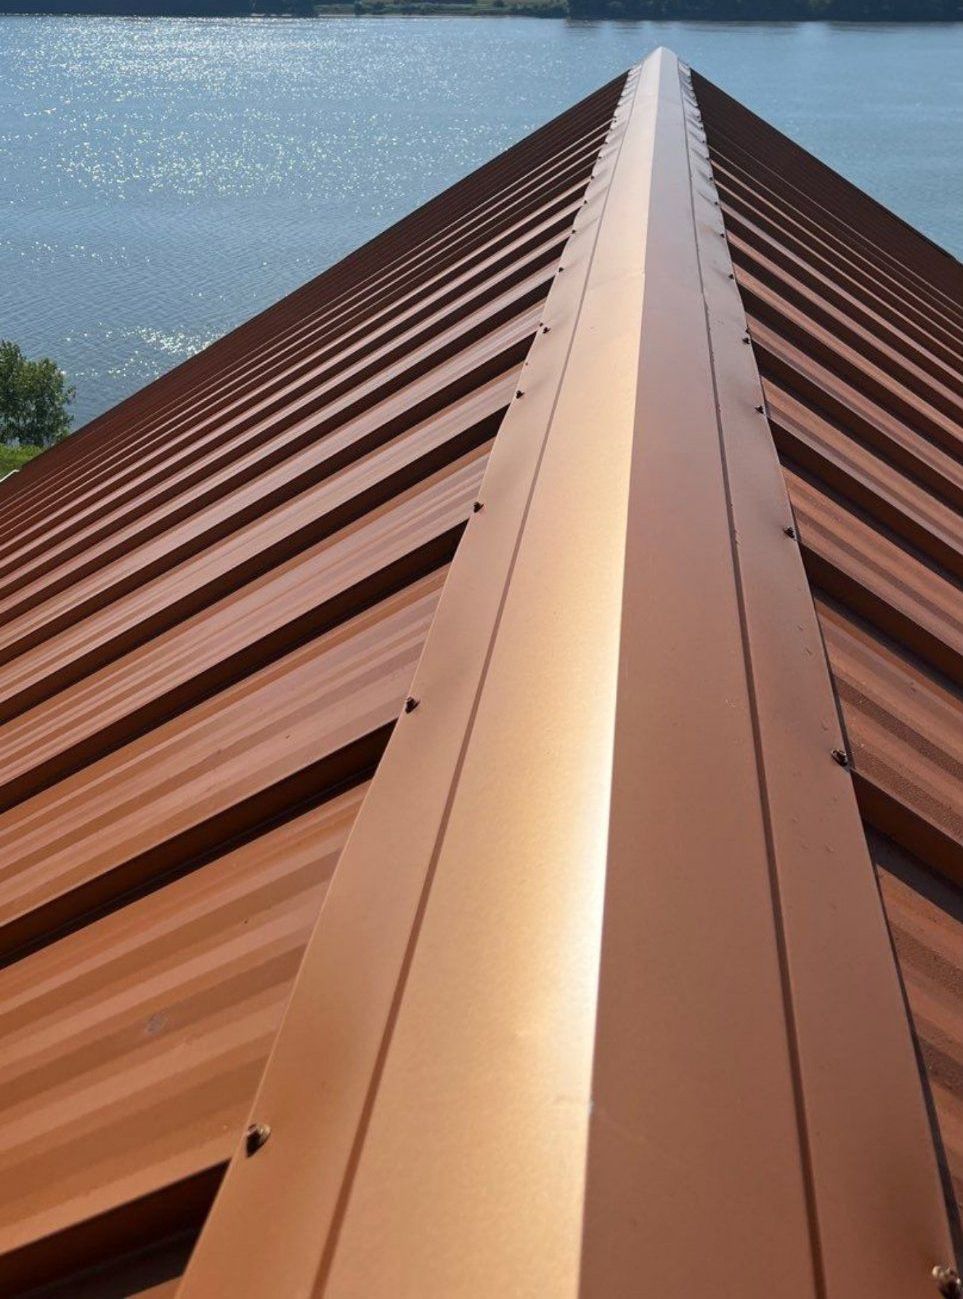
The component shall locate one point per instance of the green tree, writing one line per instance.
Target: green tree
(34, 399)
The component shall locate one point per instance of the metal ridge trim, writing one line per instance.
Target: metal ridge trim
(601, 994)
(322, 1083)
(878, 1212)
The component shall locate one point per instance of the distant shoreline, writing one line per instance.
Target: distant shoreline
(892, 12)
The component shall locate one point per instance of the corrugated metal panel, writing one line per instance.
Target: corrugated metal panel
(625, 1016)
(212, 602)
(601, 989)
(857, 325)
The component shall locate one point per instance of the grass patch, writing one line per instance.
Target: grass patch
(14, 457)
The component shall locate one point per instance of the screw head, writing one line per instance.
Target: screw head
(841, 757)
(948, 1281)
(411, 704)
(790, 531)
(255, 1137)
(519, 393)
(761, 410)
(476, 506)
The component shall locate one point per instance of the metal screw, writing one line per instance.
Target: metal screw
(477, 506)
(841, 756)
(255, 1137)
(790, 531)
(761, 410)
(519, 393)
(411, 704)
(948, 1282)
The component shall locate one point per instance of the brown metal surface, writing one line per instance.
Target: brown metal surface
(624, 1013)
(212, 601)
(857, 324)
(465, 570)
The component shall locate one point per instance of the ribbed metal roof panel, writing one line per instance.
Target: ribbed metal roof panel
(857, 324)
(212, 601)
(628, 1013)
(473, 578)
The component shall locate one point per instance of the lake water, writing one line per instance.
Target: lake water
(163, 179)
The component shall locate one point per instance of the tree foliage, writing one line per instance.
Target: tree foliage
(773, 10)
(34, 399)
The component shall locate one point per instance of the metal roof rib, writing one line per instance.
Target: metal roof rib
(621, 863)
(459, 734)
(213, 601)
(857, 322)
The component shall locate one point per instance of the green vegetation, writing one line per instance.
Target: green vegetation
(34, 406)
(14, 457)
(774, 10)
(703, 10)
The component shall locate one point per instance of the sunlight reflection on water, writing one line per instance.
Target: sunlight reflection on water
(163, 179)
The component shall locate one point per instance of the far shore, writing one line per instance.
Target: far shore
(888, 12)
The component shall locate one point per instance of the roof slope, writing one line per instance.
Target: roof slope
(466, 569)
(630, 997)
(213, 599)
(857, 326)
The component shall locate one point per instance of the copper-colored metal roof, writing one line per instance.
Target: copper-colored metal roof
(456, 590)
(857, 327)
(213, 601)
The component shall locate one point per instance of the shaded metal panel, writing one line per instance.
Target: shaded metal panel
(926, 919)
(857, 322)
(133, 1045)
(213, 599)
(109, 827)
(337, 1022)
(625, 1007)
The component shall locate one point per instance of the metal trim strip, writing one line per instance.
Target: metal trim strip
(607, 857)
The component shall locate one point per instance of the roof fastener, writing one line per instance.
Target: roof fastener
(745, 338)
(519, 393)
(790, 531)
(477, 506)
(841, 756)
(948, 1282)
(546, 328)
(411, 703)
(761, 410)
(255, 1137)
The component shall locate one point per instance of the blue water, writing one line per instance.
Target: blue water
(163, 179)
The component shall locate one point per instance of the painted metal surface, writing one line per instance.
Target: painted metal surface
(212, 601)
(624, 1011)
(857, 325)
(456, 591)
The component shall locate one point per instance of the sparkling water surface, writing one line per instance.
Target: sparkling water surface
(163, 179)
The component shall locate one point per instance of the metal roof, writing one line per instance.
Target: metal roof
(857, 327)
(471, 570)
